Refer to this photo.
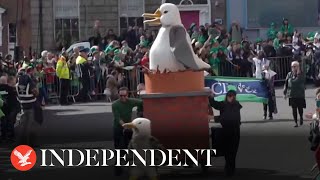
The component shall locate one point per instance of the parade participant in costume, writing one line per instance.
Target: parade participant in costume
(83, 68)
(294, 89)
(63, 73)
(230, 119)
(142, 139)
(272, 32)
(286, 28)
(122, 112)
(269, 76)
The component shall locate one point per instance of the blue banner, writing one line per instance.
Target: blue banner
(248, 89)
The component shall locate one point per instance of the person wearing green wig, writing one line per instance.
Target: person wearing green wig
(272, 32)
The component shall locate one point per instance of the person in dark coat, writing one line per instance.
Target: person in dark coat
(230, 119)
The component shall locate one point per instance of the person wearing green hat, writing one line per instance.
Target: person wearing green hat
(272, 32)
(203, 35)
(214, 61)
(117, 59)
(286, 28)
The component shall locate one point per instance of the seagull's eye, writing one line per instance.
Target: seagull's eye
(165, 12)
(140, 123)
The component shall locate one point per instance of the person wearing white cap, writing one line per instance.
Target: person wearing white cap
(294, 89)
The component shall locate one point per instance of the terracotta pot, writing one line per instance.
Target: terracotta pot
(187, 81)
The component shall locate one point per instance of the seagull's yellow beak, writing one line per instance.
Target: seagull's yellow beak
(129, 126)
(156, 18)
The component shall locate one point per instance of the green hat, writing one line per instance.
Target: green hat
(213, 41)
(214, 51)
(116, 51)
(108, 49)
(94, 50)
(116, 58)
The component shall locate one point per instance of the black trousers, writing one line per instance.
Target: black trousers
(232, 138)
(121, 140)
(64, 90)
(269, 106)
(6, 127)
(84, 93)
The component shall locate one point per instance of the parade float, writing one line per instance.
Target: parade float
(175, 99)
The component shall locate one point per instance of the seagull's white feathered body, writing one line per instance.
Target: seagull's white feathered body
(161, 55)
(167, 55)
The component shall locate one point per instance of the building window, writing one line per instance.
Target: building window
(66, 23)
(66, 32)
(130, 13)
(12, 33)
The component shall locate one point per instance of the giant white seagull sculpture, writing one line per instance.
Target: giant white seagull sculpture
(172, 50)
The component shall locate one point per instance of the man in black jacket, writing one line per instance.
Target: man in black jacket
(10, 108)
(84, 68)
(230, 119)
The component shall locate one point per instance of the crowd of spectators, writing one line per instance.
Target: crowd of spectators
(111, 57)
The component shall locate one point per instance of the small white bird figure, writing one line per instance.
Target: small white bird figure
(23, 160)
(172, 50)
(142, 139)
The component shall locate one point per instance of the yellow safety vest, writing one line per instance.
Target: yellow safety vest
(62, 68)
(80, 60)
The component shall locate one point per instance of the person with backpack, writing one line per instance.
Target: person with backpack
(294, 89)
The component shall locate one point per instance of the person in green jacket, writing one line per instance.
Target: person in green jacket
(272, 32)
(277, 41)
(122, 113)
(286, 28)
(214, 61)
(294, 89)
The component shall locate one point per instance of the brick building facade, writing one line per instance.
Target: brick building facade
(64, 22)
(15, 26)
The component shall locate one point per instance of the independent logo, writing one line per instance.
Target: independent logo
(23, 158)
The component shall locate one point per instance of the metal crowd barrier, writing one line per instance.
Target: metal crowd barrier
(282, 66)
(51, 86)
(133, 76)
